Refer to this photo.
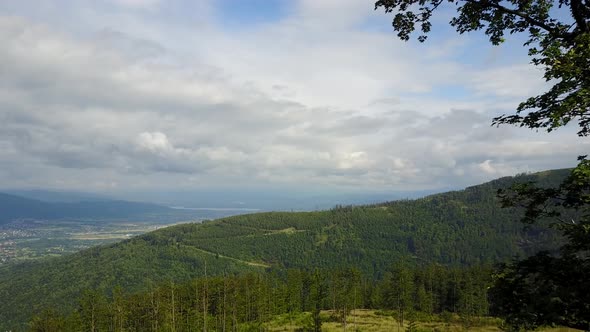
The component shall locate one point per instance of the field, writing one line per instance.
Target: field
(380, 321)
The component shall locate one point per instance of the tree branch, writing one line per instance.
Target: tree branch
(528, 18)
(579, 11)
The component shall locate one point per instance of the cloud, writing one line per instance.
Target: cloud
(310, 99)
(137, 3)
(154, 142)
(509, 81)
(487, 167)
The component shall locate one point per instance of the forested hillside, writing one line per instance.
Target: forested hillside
(461, 228)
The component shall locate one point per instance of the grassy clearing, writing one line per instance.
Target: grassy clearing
(379, 321)
(257, 264)
(96, 237)
(288, 231)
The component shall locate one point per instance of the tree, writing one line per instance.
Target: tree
(118, 309)
(399, 291)
(93, 309)
(543, 289)
(554, 288)
(47, 321)
(317, 295)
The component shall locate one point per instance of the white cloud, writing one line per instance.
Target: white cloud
(154, 142)
(312, 98)
(513, 81)
(487, 167)
(137, 3)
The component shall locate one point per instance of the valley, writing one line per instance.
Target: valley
(33, 239)
(31, 228)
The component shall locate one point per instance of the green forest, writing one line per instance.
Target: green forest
(453, 230)
(246, 302)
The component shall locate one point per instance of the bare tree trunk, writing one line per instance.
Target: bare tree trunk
(235, 310)
(224, 296)
(344, 318)
(92, 322)
(173, 307)
(205, 301)
(353, 308)
(197, 300)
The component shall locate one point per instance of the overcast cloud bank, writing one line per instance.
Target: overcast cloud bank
(128, 95)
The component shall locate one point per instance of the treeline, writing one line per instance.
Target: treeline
(246, 302)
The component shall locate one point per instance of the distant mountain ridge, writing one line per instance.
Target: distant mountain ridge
(465, 227)
(16, 207)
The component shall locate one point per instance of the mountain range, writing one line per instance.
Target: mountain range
(16, 207)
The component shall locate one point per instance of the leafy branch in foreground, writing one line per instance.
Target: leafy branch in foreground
(561, 48)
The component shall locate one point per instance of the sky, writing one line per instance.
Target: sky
(149, 95)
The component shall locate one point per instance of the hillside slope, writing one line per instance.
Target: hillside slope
(456, 228)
